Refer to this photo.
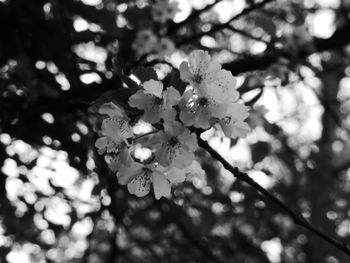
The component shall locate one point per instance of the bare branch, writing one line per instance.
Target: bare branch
(340, 38)
(297, 218)
(176, 26)
(219, 27)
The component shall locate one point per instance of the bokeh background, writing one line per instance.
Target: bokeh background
(59, 202)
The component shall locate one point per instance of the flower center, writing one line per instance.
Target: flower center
(203, 102)
(173, 141)
(158, 101)
(197, 78)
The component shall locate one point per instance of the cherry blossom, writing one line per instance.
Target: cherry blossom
(155, 102)
(232, 123)
(145, 42)
(210, 99)
(207, 77)
(164, 10)
(115, 128)
(212, 88)
(175, 146)
(139, 179)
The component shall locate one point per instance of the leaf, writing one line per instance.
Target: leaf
(145, 74)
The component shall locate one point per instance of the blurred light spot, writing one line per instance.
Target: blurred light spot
(40, 64)
(217, 208)
(90, 78)
(134, 78)
(261, 178)
(75, 137)
(63, 81)
(208, 41)
(122, 7)
(185, 10)
(322, 23)
(236, 197)
(273, 249)
(343, 229)
(51, 67)
(48, 117)
(80, 24)
(82, 228)
(18, 256)
(5, 138)
(92, 2)
(328, 3)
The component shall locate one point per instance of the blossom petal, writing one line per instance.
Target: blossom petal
(161, 185)
(175, 175)
(127, 174)
(140, 186)
(153, 87)
(111, 110)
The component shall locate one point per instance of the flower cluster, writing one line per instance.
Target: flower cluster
(209, 100)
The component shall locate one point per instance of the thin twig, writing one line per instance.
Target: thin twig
(144, 135)
(218, 27)
(176, 26)
(246, 34)
(297, 218)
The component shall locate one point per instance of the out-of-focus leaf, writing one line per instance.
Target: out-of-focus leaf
(259, 151)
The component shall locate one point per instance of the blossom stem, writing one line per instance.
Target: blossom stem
(144, 135)
(297, 218)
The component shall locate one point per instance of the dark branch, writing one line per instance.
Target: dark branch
(176, 26)
(219, 27)
(298, 219)
(259, 62)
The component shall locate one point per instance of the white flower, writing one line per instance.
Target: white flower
(196, 110)
(207, 77)
(212, 88)
(164, 10)
(104, 144)
(139, 179)
(155, 102)
(178, 175)
(122, 157)
(115, 128)
(145, 42)
(175, 146)
(233, 124)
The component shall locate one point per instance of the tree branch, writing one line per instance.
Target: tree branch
(219, 27)
(340, 38)
(297, 218)
(176, 26)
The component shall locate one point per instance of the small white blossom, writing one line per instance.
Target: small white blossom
(212, 88)
(139, 179)
(232, 123)
(207, 77)
(116, 127)
(175, 146)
